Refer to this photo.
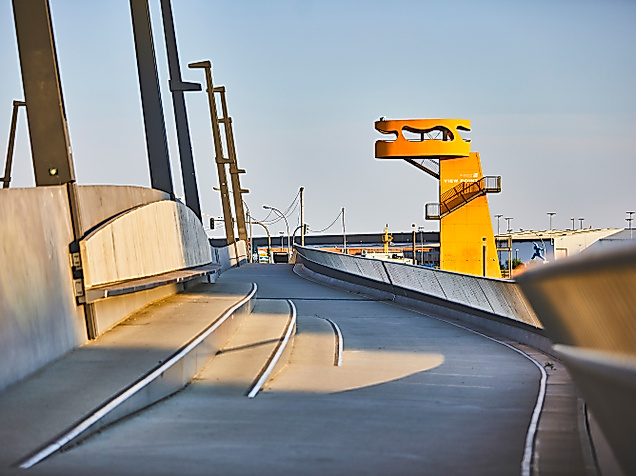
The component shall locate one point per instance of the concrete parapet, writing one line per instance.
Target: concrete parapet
(227, 255)
(99, 203)
(493, 296)
(39, 319)
(133, 232)
(148, 240)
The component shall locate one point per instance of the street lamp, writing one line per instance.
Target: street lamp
(629, 220)
(269, 238)
(551, 214)
(266, 207)
(344, 232)
(498, 217)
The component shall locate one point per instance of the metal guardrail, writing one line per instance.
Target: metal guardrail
(588, 306)
(495, 296)
(461, 194)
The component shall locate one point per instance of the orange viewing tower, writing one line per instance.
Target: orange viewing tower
(467, 242)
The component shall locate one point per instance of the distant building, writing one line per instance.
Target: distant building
(426, 244)
(537, 247)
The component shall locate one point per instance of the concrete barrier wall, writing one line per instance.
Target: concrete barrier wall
(145, 241)
(226, 256)
(493, 296)
(99, 203)
(39, 319)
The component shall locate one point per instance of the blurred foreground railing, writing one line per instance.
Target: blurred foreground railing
(588, 306)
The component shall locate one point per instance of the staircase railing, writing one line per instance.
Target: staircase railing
(461, 194)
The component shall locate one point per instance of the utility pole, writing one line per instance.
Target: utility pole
(302, 216)
(344, 231)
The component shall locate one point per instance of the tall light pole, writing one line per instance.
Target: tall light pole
(269, 238)
(302, 216)
(249, 219)
(344, 231)
(421, 230)
(551, 214)
(266, 207)
(498, 217)
(414, 259)
(629, 221)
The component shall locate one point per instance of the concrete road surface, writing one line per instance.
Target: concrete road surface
(414, 395)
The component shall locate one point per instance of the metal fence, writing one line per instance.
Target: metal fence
(496, 296)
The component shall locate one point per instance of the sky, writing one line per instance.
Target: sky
(549, 88)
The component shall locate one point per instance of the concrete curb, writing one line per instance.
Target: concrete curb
(160, 382)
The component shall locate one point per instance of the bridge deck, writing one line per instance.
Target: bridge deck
(414, 395)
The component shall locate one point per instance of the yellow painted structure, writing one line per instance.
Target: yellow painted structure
(452, 146)
(467, 242)
(462, 232)
(386, 239)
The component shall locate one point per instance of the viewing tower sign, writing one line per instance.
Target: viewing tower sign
(467, 242)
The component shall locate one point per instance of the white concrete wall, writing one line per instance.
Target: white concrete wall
(226, 256)
(145, 241)
(99, 203)
(39, 320)
(577, 242)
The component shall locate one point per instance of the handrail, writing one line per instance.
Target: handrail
(467, 191)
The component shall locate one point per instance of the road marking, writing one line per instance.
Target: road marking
(526, 461)
(339, 341)
(279, 351)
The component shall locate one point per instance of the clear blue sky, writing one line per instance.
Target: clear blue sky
(548, 85)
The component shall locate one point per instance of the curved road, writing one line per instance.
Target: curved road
(414, 395)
